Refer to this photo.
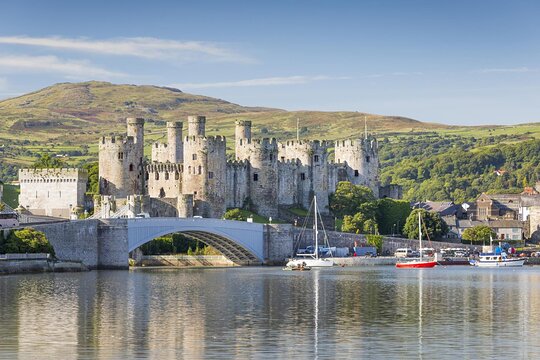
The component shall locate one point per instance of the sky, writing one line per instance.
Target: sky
(454, 62)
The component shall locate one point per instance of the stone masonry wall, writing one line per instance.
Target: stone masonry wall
(52, 192)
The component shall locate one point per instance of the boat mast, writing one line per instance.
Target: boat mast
(420, 232)
(316, 228)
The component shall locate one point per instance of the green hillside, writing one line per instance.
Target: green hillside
(67, 120)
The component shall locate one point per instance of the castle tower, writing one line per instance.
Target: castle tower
(263, 169)
(121, 170)
(204, 173)
(196, 125)
(242, 132)
(308, 175)
(174, 142)
(135, 128)
(361, 158)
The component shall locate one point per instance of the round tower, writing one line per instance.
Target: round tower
(196, 125)
(135, 128)
(174, 141)
(361, 157)
(311, 170)
(204, 174)
(242, 132)
(121, 171)
(262, 156)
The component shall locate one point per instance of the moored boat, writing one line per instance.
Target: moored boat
(312, 260)
(496, 260)
(420, 262)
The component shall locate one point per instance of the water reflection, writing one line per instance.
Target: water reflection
(265, 312)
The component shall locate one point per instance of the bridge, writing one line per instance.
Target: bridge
(106, 243)
(239, 241)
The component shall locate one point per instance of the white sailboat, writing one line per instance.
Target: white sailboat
(312, 260)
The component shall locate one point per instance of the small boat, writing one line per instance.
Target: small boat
(300, 267)
(312, 260)
(419, 262)
(496, 260)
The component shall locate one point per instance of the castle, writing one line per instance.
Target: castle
(191, 175)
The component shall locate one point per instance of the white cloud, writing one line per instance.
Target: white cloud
(51, 64)
(142, 47)
(271, 81)
(508, 70)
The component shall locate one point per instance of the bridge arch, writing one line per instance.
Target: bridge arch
(241, 242)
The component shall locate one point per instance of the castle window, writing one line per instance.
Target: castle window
(189, 170)
(157, 175)
(302, 176)
(316, 158)
(166, 176)
(271, 157)
(356, 174)
(255, 177)
(161, 193)
(210, 175)
(200, 169)
(283, 158)
(130, 167)
(120, 156)
(194, 157)
(240, 141)
(367, 159)
(147, 176)
(176, 175)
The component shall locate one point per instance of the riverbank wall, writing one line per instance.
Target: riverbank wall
(36, 263)
(181, 260)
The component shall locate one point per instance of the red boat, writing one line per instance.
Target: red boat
(417, 263)
(414, 264)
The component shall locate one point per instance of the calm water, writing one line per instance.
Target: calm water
(376, 312)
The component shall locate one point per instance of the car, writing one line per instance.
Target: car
(403, 252)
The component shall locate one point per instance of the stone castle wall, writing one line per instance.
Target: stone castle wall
(264, 174)
(52, 192)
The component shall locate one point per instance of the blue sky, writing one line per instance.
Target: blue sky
(455, 62)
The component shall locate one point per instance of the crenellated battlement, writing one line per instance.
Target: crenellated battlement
(237, 163)
(164, 167)
(116, 141)
(204, 139)
(369, 143)
(53, 175)
(262, 143)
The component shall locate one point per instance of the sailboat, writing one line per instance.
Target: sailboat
(420, 262)
(311, 260)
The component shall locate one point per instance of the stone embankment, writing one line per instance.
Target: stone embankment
(36, 263)
(185, 260)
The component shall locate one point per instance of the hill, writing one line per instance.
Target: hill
(67, 119)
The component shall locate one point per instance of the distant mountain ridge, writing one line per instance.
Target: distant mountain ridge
(102, 107)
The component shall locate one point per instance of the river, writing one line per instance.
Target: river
(264, 312)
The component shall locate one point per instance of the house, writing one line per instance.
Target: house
(444, 208)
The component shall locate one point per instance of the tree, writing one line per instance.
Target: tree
(348, 199)
(375, 240)
(370, 227)
(391, 215)
(26, 241)
(92, 186)
(353, 224)
(479, 234)
(46, 161)
(234, 214)
(432, 222)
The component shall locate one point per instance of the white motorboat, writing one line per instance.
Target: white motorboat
(496, 260)
(312, 259)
